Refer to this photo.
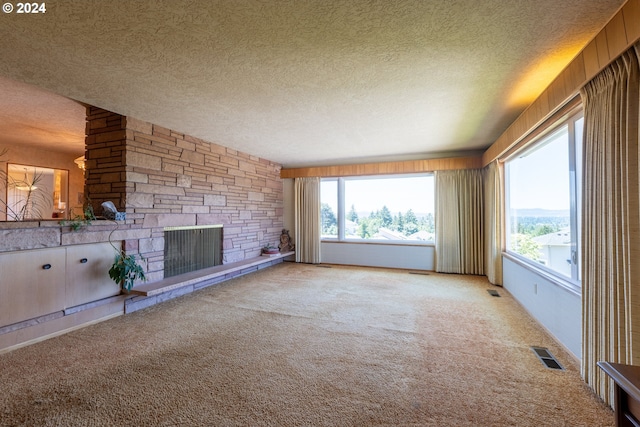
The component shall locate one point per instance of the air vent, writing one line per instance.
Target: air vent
(493, 292)
(547, 358)
(323, 266)
(422, 273)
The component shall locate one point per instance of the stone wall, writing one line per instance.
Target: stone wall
(105, 174)
(162, 178)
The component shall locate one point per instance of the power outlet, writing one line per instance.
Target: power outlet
(535, 289)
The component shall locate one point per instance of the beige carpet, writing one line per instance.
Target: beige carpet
(299, 345)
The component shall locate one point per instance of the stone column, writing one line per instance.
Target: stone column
(105, 175)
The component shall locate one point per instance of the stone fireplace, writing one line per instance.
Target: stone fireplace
(162, 178)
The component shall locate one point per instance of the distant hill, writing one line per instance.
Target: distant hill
(545, 213)
(365, 214)
(541, 212)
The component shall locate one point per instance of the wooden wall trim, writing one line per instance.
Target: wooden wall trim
(386, 168)
(549, 124)
(620, 33)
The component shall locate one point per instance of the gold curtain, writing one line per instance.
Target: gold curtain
(308, 227)
(493, 206)
(611, 222)
(459, 222)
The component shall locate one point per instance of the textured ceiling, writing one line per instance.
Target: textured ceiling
(35, 117)
(298, 82)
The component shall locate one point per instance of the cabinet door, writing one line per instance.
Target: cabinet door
(88, 273)
(32, 284)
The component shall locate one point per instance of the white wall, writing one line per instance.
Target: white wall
(378, 255)
(558, 309)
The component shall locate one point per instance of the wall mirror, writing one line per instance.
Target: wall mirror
(34, 192)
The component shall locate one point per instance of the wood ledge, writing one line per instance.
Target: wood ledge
(386, 168)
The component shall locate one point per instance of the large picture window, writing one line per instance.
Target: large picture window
(391, 208)
(543, 203)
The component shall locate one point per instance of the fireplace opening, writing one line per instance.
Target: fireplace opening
(191, 248)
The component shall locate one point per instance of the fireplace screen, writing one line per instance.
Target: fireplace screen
(191, 248)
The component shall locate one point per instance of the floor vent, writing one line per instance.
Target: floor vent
(323, 266)
(547, 358)
(493, 292)
(422, 273)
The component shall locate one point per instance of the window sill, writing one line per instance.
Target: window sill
(564, 283)
(378, 242)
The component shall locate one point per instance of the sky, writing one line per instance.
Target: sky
(398, 194)
(541, 177)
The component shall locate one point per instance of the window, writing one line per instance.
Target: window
(329, 208)
(543, 203)
(391, 208)
(33, 193)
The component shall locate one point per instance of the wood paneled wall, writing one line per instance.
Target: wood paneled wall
(622, 31)
(386, 168)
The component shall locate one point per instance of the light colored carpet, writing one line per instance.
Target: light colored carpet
(300, 345)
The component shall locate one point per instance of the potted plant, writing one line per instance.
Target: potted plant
(78, 222)
(125, 269)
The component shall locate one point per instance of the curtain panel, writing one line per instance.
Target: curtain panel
(308, 223)
(459, 222)
(493, 220)
(611, 222)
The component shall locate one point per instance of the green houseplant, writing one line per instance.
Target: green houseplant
(80, 221)
(125, 269)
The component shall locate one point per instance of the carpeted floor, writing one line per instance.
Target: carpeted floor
(299, 345)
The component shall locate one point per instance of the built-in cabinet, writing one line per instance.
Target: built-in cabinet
(87, 269)
(39, 282)
(32, 283)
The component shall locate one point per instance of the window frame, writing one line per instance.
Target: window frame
(342, 209)
(570, 120)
